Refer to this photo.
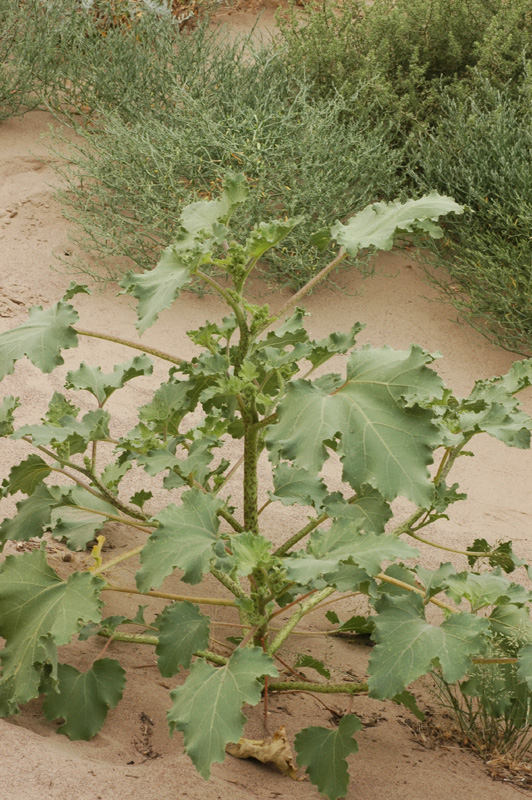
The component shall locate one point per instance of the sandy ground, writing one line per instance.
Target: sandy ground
(133, 756)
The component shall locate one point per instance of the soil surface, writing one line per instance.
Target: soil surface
(133, 757)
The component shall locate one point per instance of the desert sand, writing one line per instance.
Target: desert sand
(133, 756)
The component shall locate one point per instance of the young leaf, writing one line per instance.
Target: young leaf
(201, 217)
(486, 589)
(183, 540)
(93, 380)
(324, 752)
(408, 646)
(207, 707)
(386, 439)
(377, 224)
(250, 551)
(368, 512)
(76, 434)
(182, 631)
(268, 234)
(83, 699)
(39, 612)
(41, 338)
(157, 289)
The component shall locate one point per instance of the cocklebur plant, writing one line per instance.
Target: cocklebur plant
(384, 421)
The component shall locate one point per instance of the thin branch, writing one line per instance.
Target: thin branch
(151, 350)
(208, 601)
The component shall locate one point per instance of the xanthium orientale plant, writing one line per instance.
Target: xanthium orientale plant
(384, 420)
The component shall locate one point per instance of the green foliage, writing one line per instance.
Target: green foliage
(480, 151)
(377, 426)
(215, 106)
(412, 48)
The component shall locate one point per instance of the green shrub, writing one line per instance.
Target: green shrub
(480, 153)
(414, 47)
(26, 53)
(231, 106)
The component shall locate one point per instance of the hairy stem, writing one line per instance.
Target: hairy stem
(322, 688)
(286, 630)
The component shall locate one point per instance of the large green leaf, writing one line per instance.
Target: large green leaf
(83, 699)
(324, 751)
(182, 631)
(377, 224)
(207, 707)
(102, 386)
(39, 612)
(385, 438)
(41, 338)
(408, 646)
(184, 540)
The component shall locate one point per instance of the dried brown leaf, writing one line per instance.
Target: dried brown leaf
(272, 750)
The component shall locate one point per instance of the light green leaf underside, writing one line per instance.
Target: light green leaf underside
(377, 224)
(207, 707)
(41, 338)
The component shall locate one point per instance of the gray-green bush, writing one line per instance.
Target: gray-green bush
(480, 152)
(232, 106)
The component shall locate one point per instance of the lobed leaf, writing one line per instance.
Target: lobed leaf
(93, 380)
(184, 540)
(324, 752)
(7, 419)
(408, 646)
(182, 631)
(207, 707)
(377, 224)
(385, 438)
(83, 699)
(38, 612)
(41, 338)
